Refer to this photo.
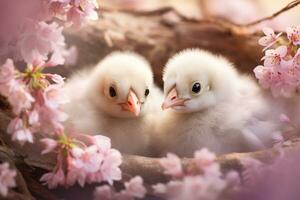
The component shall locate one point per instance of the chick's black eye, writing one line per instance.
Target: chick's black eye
(196, 87)
(112, 91)
(147, 91)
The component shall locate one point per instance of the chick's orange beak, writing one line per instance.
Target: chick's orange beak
(172, 100)
(133, 104)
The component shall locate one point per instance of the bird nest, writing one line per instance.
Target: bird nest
(31, 164)
(155, 41)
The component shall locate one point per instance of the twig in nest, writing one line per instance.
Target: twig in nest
(284, 9)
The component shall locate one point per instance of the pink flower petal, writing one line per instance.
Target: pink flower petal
(103, 193)
(135, 187)
(268, 31)
(284, 118)
(172, 165)
(50, 145)
(204, 158)
(7, 179)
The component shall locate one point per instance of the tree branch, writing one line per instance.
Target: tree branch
(159, 35)
(279, 12)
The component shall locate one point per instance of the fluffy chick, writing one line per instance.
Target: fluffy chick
(212, 106)
(116, 99)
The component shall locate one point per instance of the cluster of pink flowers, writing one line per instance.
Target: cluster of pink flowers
(77, 162)
(208, 184)
(36, 100)
(275, 180)
(30, 34)
(36, 103)
(75, 11)
(7, 178)
(134, 188)
(281, 69)
(33, 37)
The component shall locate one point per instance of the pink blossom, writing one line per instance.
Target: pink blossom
(7, 72)
(76, 16)
(50, 145)
(208, 184)
(290, 70)
(204, 158)
(212, 170)
(273, 57)
(233, 179)
(56, 58)
(19, 97)
(51, 115)
(53, 179)
(5, 88)
(22, 136)
(58, 7)
(293, 34)
(92, 165)
(82, 164)
(103, 193)
(110, 167)
(19, 131)
(40, 39)
(110, 170)
(74, 176)
(264, 75)
(102, 142)
(54, 96)
(269, 39)
(33, 118)
(89, 9)
(15, 124)
(159, 188)
(284, 118)
(51, 119)
(81, 11)
(172, 165)
(88, 160)
(192, 188)
(27, 36)
(7, 178)
(56, 78)
(134, 187)
(296, 60)
(278, 79)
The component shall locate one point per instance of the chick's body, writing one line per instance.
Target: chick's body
(213, 107)
(114, 99)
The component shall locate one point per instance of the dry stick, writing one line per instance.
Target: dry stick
(284, 9)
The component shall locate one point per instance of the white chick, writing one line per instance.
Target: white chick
(116, 99)
(212, 106)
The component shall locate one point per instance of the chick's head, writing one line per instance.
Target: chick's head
(121, 83)
(196, 80)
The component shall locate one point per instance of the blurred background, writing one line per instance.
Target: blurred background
(237, 11)
(157, 29)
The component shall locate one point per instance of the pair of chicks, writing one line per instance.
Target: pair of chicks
(206, 103)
